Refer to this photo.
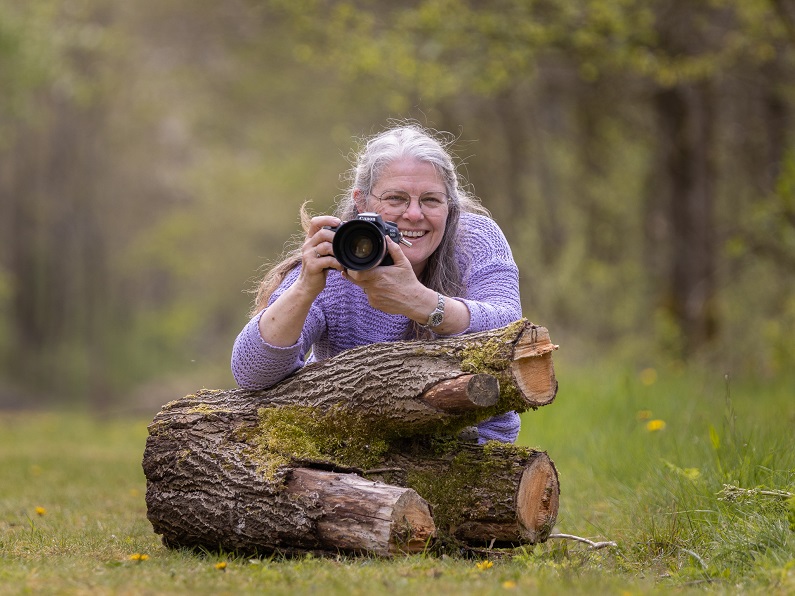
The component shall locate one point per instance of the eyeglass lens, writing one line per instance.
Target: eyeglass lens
(397, 201)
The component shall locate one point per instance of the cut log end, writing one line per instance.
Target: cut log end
(532, 366)
(537, 499)
(412, 524)
(467, 392)
(536, 509)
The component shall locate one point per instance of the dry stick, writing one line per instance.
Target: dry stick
(730, 492)
(593, 545)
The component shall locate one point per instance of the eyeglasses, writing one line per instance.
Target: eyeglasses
(396, 202)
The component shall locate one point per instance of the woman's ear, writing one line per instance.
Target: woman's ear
(359, 200)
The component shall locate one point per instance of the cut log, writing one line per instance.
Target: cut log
(498, 494)
(407, 388)
(207, 487)
(464, 393)
(202, 492)
(361, 516)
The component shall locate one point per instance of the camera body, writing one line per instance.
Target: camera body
(360, 244)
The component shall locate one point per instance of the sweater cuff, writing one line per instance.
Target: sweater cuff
(257, 364)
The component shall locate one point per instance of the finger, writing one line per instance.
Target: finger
(397, 254)
(318, 222)
(324, 249)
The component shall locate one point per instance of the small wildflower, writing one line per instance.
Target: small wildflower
(483, 565)
(221, 566)
(139, 557)
(509, 585)
(41, 511)
(648, 376)
(643, 414)
(655, 425)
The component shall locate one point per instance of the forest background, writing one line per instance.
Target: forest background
(153, 156)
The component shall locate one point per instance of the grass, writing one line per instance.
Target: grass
(643, 459)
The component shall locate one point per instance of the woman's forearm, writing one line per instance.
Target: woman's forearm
(282, 322)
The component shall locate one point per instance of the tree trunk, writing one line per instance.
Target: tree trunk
(274, 470)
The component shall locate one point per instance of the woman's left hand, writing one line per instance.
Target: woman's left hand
(395, 289)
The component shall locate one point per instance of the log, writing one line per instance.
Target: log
(337, 457)
(362, 516)
(208, 486)
(202, 495)
(401, 388)
(464, 393)
(499, 494)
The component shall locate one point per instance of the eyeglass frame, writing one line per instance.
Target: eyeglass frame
(446, 203)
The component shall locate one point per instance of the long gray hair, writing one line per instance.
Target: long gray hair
(406, 140)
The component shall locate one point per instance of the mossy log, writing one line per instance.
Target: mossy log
(207, 492)
(238, 470)
(496, 494)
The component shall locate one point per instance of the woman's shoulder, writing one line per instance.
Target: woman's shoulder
(477, 233)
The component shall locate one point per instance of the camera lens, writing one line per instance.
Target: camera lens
(362, 247)
(359, 245)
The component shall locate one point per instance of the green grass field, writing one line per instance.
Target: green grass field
(643, 459)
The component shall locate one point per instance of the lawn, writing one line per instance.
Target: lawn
(644, 459)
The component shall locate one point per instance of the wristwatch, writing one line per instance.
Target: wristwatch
(437, 316)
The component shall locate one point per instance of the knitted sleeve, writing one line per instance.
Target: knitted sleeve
(490, 275)
(257, 364)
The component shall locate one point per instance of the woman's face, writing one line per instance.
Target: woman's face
(423, 227)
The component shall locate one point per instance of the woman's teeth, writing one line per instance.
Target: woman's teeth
(417, 234)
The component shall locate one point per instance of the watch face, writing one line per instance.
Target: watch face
(436, 319)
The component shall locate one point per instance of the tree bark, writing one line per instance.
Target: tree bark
(242, 471)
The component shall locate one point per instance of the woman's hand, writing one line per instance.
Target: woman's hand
(282, 322)
(317, 255)
(396, 290)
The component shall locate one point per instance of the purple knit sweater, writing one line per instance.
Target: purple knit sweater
(341, 317)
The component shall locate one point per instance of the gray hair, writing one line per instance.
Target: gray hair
(406, 140)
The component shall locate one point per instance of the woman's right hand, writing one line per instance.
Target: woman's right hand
(281, 323)
(317, 254)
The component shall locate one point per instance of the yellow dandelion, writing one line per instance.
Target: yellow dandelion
(483, 565)
(655, 425)
(41, 511)
(221, 566)
(643, 414)
(648, 376)
(139, 557)
(509, 585)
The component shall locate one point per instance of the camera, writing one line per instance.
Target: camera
(360, 244)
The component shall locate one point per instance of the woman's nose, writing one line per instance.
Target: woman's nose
(413, 211)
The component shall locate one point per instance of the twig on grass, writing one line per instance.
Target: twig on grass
(593, 545)
(730, 492)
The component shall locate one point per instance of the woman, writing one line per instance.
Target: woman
(458, 276)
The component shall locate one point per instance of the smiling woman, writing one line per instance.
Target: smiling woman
(454, 273)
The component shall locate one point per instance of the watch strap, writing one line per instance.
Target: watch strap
(437, 316)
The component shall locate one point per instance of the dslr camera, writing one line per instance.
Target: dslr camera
(360, 244)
